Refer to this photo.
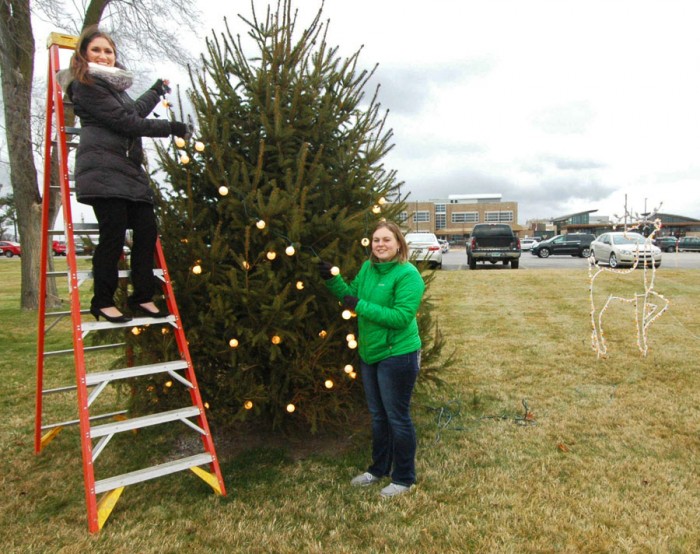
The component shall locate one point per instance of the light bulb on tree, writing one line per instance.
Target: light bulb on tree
(289, 250)
(199, 146)
(276, 339)
(197, 269)
(179, 142)
(335, 270)
(352, 344)
(323, 333)
(348, 369)
(291, 408)
(300, 285)
(246, 265)
(349, 337)
(271, 255)
(248, 405)
(328, 384)
(346, 314)
(233, 343)
(381, 201)
(376, 209)
(184, 159)
(223, 190)
(260, 224)
(365, 241)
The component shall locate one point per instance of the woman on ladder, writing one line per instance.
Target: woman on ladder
(109, 169)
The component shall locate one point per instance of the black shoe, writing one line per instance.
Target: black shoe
(138, 308)
(97, 312)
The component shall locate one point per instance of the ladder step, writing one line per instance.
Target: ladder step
(92, 379)
(87, 274)
(77, 421)
(144, 421)
(88, 326)
(145, 474)
(85, 349)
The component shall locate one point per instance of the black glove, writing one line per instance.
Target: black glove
(324, 269)
(180, 129)
(350, 302)
(160, 87)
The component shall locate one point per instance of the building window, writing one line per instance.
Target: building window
(421, 217)
(498, 217)
(440, 221)
(465, 217)
(403, 216)
(440, 208)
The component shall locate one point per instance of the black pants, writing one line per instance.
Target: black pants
(114, 217)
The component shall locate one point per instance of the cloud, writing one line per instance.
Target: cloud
(408, 89)
(569, 118)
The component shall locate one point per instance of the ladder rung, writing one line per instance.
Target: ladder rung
(87, 274)
(92, 379)
(85, 349)
(61, 314)
(88, 326)
(77, 421)
(145, 474)
(143, 421)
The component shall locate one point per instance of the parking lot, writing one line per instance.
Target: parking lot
(456, 258)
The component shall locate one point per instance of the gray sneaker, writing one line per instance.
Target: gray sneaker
(394, 490)
(364, 480)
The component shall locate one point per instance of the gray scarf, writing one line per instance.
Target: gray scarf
(116, 77)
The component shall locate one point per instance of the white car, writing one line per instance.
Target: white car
(528, 243)
(444, 245)
(621, 248)
(424, 247)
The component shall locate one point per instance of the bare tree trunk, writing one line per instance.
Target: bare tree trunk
(17, 56)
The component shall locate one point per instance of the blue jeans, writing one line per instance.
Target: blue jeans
(388, 388)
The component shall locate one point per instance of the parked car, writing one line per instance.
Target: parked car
(622, 248)
(494, 243)
(424, 247)
(59, 248)
(9, 248)
(444, 245)
(666, 244)
(528, 243)
(572, 244)
(689, 244)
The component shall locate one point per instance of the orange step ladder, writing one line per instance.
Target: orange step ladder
(89, 385)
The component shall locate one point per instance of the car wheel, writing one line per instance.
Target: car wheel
(543, 253)
(514, 264)
(585, 253)
(472, 262)
(671, 249)
(8, 254)
(612, 262)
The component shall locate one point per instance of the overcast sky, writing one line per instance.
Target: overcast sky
(560, 105)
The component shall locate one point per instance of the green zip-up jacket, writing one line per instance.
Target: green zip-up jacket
(390, 294)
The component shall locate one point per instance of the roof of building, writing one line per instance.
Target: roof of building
(565, 217)
(475, 196)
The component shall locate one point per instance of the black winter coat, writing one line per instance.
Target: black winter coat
(109, 160)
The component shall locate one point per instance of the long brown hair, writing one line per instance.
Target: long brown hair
(79, 61)
(402, 254)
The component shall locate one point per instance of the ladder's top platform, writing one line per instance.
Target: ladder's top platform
(61, 40)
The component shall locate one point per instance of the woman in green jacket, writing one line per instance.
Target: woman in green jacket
(385, 295)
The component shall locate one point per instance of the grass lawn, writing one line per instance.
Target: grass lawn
(607, 459)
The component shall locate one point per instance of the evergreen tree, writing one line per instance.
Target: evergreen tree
(286, 171)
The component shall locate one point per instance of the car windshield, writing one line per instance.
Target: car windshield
(629, 239)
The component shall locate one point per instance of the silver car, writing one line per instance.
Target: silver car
(424, 247)
(620, 248)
